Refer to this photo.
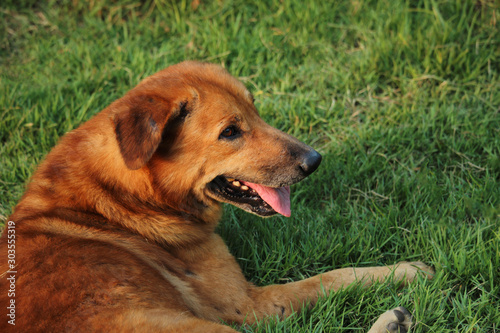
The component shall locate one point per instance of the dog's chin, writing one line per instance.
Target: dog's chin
(234, 192)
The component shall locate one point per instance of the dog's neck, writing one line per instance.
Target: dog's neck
(170, 226)
(157, 223)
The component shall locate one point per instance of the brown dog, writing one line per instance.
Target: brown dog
(116, 230)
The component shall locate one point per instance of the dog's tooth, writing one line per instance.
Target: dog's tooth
(244, 187)
(236, 183)
(230, 179)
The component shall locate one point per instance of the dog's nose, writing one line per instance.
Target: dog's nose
(311, 161)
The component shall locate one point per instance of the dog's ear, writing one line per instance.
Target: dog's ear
(139, 125)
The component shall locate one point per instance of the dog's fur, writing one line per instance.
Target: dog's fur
(116, 229)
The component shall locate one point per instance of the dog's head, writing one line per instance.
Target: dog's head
(196, 131)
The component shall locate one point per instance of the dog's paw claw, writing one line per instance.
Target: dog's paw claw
(397, 320)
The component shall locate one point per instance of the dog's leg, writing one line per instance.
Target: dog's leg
(151, 320)
(282, 300)
(193, 325)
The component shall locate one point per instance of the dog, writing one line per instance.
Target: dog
(115, 231)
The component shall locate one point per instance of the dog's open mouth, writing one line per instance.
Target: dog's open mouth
(255, 198)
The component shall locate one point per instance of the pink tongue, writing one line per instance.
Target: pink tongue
(278, 198)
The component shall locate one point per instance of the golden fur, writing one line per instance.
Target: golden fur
(116, 229)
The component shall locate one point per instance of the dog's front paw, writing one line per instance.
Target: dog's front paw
(397, 320)
(408, 271)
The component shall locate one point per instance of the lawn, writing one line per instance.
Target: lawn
(402, 98)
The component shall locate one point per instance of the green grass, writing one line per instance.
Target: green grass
(401, 97)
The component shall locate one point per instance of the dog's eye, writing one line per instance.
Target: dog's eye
(230, 132)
